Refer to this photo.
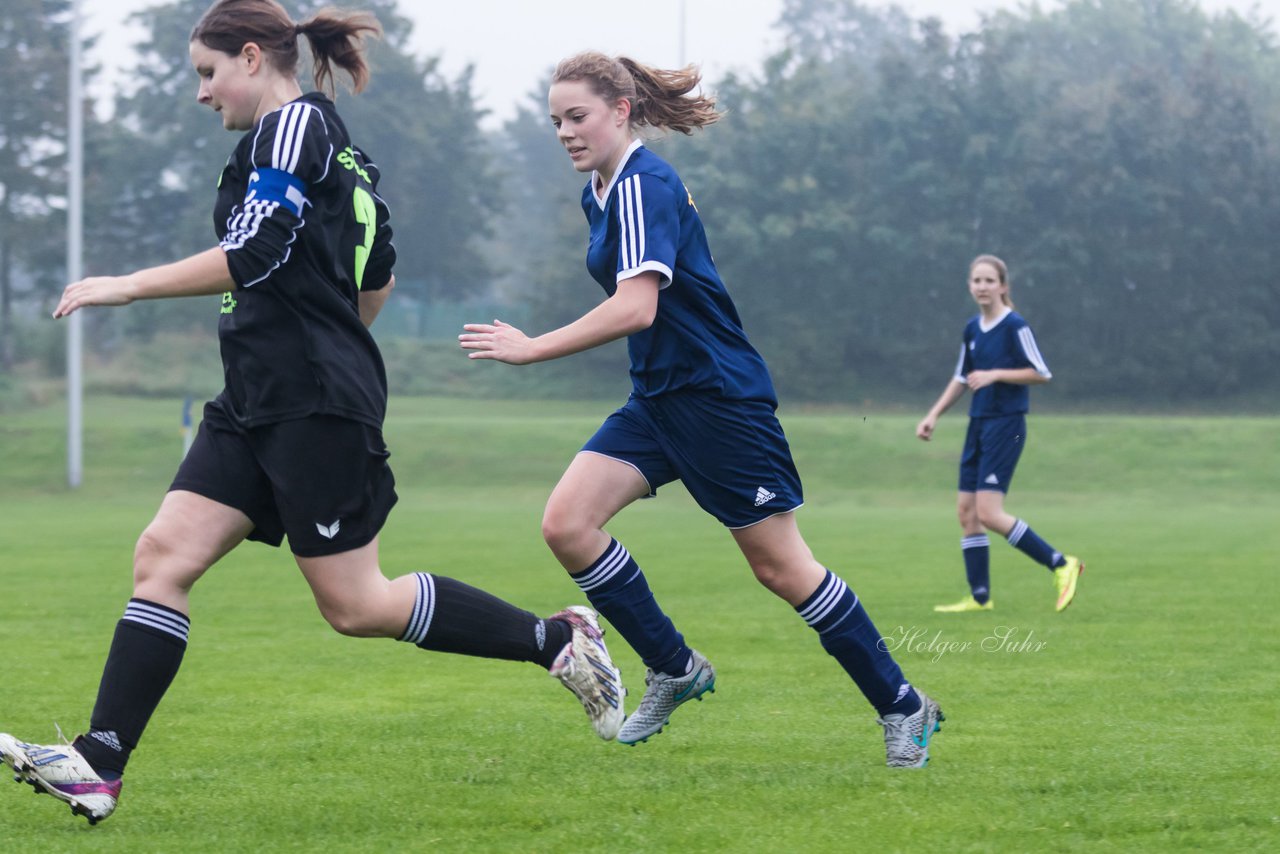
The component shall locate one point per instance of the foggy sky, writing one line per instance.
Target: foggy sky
(514, 43)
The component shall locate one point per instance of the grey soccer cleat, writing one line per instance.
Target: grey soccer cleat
(906, 737)
(61, 771)
(663, 693)
(585, 668)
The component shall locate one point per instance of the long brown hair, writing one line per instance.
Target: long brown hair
(335, 37)
(1002, 270)
(659, 98)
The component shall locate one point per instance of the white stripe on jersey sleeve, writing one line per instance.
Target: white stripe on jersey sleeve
(1032, 352)
(286, 152)
(631, 237)
(289, 134)
(277, 144)
(959, 377)
(244, 225)
(631, 226)
(639, 223)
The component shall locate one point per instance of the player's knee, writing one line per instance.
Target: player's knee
(561, 531)
(353, 622)
(773, 576)
(992, 520)
(154, 559)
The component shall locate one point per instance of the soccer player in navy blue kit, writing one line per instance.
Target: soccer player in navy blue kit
(999, 360)
(701, 409)
(293, 444)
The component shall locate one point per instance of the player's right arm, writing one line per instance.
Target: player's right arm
(954, 391)
(198, 275)
(631, 308)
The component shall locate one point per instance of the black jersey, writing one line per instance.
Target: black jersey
(304, 230)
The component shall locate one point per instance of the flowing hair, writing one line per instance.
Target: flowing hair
(659, 98)
(335, 37)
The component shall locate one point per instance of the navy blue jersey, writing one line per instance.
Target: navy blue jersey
(304, 232)
(645, 220)
(1009, 344)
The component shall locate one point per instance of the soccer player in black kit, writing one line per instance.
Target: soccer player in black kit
(292, 446)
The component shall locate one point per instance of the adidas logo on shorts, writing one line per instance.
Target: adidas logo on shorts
(764, 496)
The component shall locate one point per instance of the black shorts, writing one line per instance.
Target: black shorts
(322, 480)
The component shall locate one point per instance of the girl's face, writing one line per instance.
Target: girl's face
(230, 85)
(594, 132)
(985, 286)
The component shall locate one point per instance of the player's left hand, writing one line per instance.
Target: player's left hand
(96, 290)
(500, 341)
(980, 379)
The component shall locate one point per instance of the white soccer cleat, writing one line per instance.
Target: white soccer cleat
(906, 737)
(665, 693)
(585, 668)
(61, 771)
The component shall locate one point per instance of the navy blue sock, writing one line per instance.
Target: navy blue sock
(977, 565)
(847, 633)
(617, 588)
(1029, 543)
(449, 616)
(146, 652)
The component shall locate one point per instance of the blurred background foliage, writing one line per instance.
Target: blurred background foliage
(1120, 155)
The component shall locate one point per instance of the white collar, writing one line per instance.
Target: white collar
(985, 327)
(602, 199)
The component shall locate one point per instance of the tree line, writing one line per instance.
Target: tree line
(1120, 155)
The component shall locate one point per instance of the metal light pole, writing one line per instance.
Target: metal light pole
(75, 222)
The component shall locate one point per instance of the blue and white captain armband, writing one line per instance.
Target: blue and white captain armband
(278, 186)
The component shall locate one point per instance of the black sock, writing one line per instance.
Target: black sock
(559, 633)
(145, 655)
(450, 616)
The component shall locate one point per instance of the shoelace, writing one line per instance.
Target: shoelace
(650, 698)
(899, 728)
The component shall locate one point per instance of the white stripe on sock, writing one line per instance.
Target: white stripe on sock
(162, 619)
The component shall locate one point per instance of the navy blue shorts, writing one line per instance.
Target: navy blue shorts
(991, 450)
(731, 455)
(322, 480)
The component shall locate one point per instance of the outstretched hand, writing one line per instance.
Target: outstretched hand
(97, 290)
(500, 341)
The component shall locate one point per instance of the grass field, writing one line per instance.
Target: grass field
(1143, 719)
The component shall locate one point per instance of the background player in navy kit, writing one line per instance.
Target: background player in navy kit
(998, 361)
(293, 444)
(701, 410)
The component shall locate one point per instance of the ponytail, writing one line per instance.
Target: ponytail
(335, 37)
(659, 98)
